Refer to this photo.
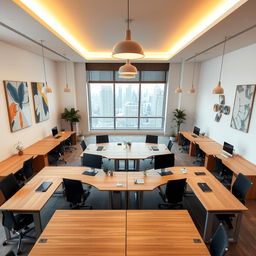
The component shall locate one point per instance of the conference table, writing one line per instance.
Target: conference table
(219, 200)
(118, 151)
(119, 233)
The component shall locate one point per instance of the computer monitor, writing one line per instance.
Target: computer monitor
(196, 130)
(54, 131)
(164, 161)
(228, 148)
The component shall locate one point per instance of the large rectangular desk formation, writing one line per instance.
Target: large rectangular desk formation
(120, 232)
(118, 151)
(237, 164)
(219, 200)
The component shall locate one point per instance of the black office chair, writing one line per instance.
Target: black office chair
(75, 194)
(83, 145)
(239, 190)
(174, 193)
(17, 224)
(219, 242)
(10, 253)
(57, 154)
(102, 139)
(151, 139)
(68, 145)
(221, 174)
(164, 161)
(28, 168)
(200, 156)
(91, 160)
(169, 146)
(9, 186)
(184, 144)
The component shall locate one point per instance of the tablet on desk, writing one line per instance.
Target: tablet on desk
(155, 148)
(44, 186)
(100, 148)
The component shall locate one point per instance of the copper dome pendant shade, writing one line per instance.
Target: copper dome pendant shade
(127, 69)
(128, 49)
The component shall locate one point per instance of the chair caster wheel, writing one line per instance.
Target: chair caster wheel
(5, 243)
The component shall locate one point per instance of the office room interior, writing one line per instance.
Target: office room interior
(167, 78)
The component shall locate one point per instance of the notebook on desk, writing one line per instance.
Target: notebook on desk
(155, 148)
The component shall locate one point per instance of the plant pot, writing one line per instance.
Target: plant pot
(173, 139)
(80, 138)
(20, 153)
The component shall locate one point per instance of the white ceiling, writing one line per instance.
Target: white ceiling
(242, 18)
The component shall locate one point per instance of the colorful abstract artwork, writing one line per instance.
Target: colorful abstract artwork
(242, 109)
(40, 102)
(18, 104)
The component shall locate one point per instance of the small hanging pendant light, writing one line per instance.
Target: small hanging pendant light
(47, 88)
(129, 76)
(218, 89)
(192, 89)
(128, 49)
(127, 69)
(66, 89)
(179, 89)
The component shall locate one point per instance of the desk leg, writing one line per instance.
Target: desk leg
(116, 165)
(110, 200)
(126, 164)
(209, 162)
(140, 199)
(40, 162)
(137, 165)
(192, 149)
(38, 224)
(237, 226)
(208, 227)
(127, 194)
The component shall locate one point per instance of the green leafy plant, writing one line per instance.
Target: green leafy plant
(179, 118)
(71, 116)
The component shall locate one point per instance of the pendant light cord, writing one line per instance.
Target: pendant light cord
(193, 72)
(43, 62)
(128, 14)
(66, 74)
(222, 59)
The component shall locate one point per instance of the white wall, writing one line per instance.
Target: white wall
(239, 68)
(21, 65)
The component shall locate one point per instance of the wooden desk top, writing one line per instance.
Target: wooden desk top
(210, 147)
(188, 135)
(156, 232)
(76, 232)
(63, 136)
(138, 150)
(220, 199)
(41, 147)
(13, 164)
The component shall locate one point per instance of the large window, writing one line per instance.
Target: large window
(116, 103)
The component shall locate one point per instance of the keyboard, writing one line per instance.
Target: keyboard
(194, 136)
(90, 172)
(200, 173)
(224, 155)
(44, 186)
(164, 173)
(100, 148)
(155, 148)
(204, 187)
(57, 136)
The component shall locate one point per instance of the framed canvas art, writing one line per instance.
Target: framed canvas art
(18, 104)
(41, 106)
(242, 109)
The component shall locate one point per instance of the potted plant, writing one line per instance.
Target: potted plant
(173, 136)
(179, 118)
(71, 116)
(20, 148)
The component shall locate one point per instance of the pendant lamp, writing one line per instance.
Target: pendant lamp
(218, 89)
(129, 76)
(128, 49)
(127, 69)
(192, 89)
(66, 89)
(47, 88)
(179, 89)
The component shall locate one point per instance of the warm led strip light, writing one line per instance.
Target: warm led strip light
(40, 13)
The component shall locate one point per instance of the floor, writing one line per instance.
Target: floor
(246, 245)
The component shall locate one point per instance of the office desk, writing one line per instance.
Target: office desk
(13, 164)
(63, 136)
(194, 140)
(220, 200)
(114, 232)
(137, 151)
(77, 232)
(236, 164)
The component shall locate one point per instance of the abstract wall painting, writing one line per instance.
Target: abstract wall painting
(41, 106)
(18, 104)
(243, 105)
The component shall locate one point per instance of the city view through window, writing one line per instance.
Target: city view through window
(135, 105)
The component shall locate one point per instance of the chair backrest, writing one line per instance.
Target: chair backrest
(91, 160)
(219, 243)
(83, 145)
(102, 139)
(151, 139)
(73, 190)
(218, 166)
(9, 186)
(241, 187)
(169, 146)
(164, 161)
(27, 168)
(175, 190)
(9, 221)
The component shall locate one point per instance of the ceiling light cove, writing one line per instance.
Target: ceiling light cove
(62, 24)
